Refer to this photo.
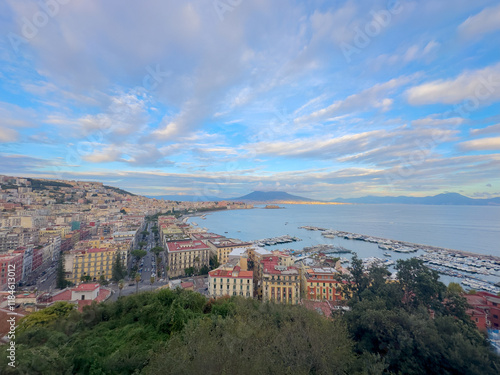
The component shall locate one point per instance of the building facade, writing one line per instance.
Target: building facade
(280, 284)
(230, 282)
(182, 255)
(320, 283)
(223, 247)
(92, 263)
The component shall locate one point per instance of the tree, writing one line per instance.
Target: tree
(121, 284)
(157, 250)
(421, 285)
(151, 281)
(118, 272)
(214, 262)
(454, 288)
(137, 279)
(354, 283)
(138, 254)
(103, 281)
(61, 281)
(85, 278)
(142, 244)
(123, 211)
(44, 317)
(190, 271)
(145, 233)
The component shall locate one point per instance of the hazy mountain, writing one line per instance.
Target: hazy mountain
(186, 198)
(440, 199)
(271, 196)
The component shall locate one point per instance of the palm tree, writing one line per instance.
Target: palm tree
(121, 284)
(137, 279)
(152, 280)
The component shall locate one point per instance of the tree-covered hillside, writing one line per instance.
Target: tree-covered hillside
(416, 326)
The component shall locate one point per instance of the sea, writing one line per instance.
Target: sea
(474, 229)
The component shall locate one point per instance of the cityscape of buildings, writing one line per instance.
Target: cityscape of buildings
(87, 228)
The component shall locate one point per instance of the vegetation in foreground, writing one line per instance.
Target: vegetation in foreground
(390, 330)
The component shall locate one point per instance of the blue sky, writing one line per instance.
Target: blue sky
(323, 99)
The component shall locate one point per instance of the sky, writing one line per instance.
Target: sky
(322, 99)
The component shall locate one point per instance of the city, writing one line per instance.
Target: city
(249, 187)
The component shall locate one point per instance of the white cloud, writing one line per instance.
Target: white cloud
(482, 144)
(373, 97)
(481, 86)
(486, 21)
(7, 134)
(414, 52)
(487, 130)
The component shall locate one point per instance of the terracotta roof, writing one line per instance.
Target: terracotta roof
(65, 295)
(86, 287)
(232, 273)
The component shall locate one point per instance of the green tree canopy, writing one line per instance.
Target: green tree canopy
(117, 271)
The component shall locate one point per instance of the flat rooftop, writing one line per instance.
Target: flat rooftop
(186, 246)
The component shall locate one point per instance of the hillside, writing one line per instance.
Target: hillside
(387, 330)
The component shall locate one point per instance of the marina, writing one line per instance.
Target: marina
(471, 268)
(395, 232)
(276, 240)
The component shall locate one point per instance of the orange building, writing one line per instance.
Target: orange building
(320, 283)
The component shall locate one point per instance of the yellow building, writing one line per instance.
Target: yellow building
(93, 263)
(280, 284)
(61, 230)
(230, 280)
(223, 247)
(186, 254)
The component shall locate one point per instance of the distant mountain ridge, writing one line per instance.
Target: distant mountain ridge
(186, 198)
(440, 199)
(281, 196)
(271, 196)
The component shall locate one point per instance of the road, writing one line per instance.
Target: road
(47, 281)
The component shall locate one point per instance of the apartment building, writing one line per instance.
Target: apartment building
(280, 283)
(223, 247)
(186, 254)
(13, 263)
(230, 280)
(484, 305)
(93, 263)
(320, 284)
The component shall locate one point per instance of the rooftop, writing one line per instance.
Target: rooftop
(186, 245)
(234, 273)
(226, 242)
(86, 287)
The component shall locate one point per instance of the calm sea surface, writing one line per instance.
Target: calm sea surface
(469, 228)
